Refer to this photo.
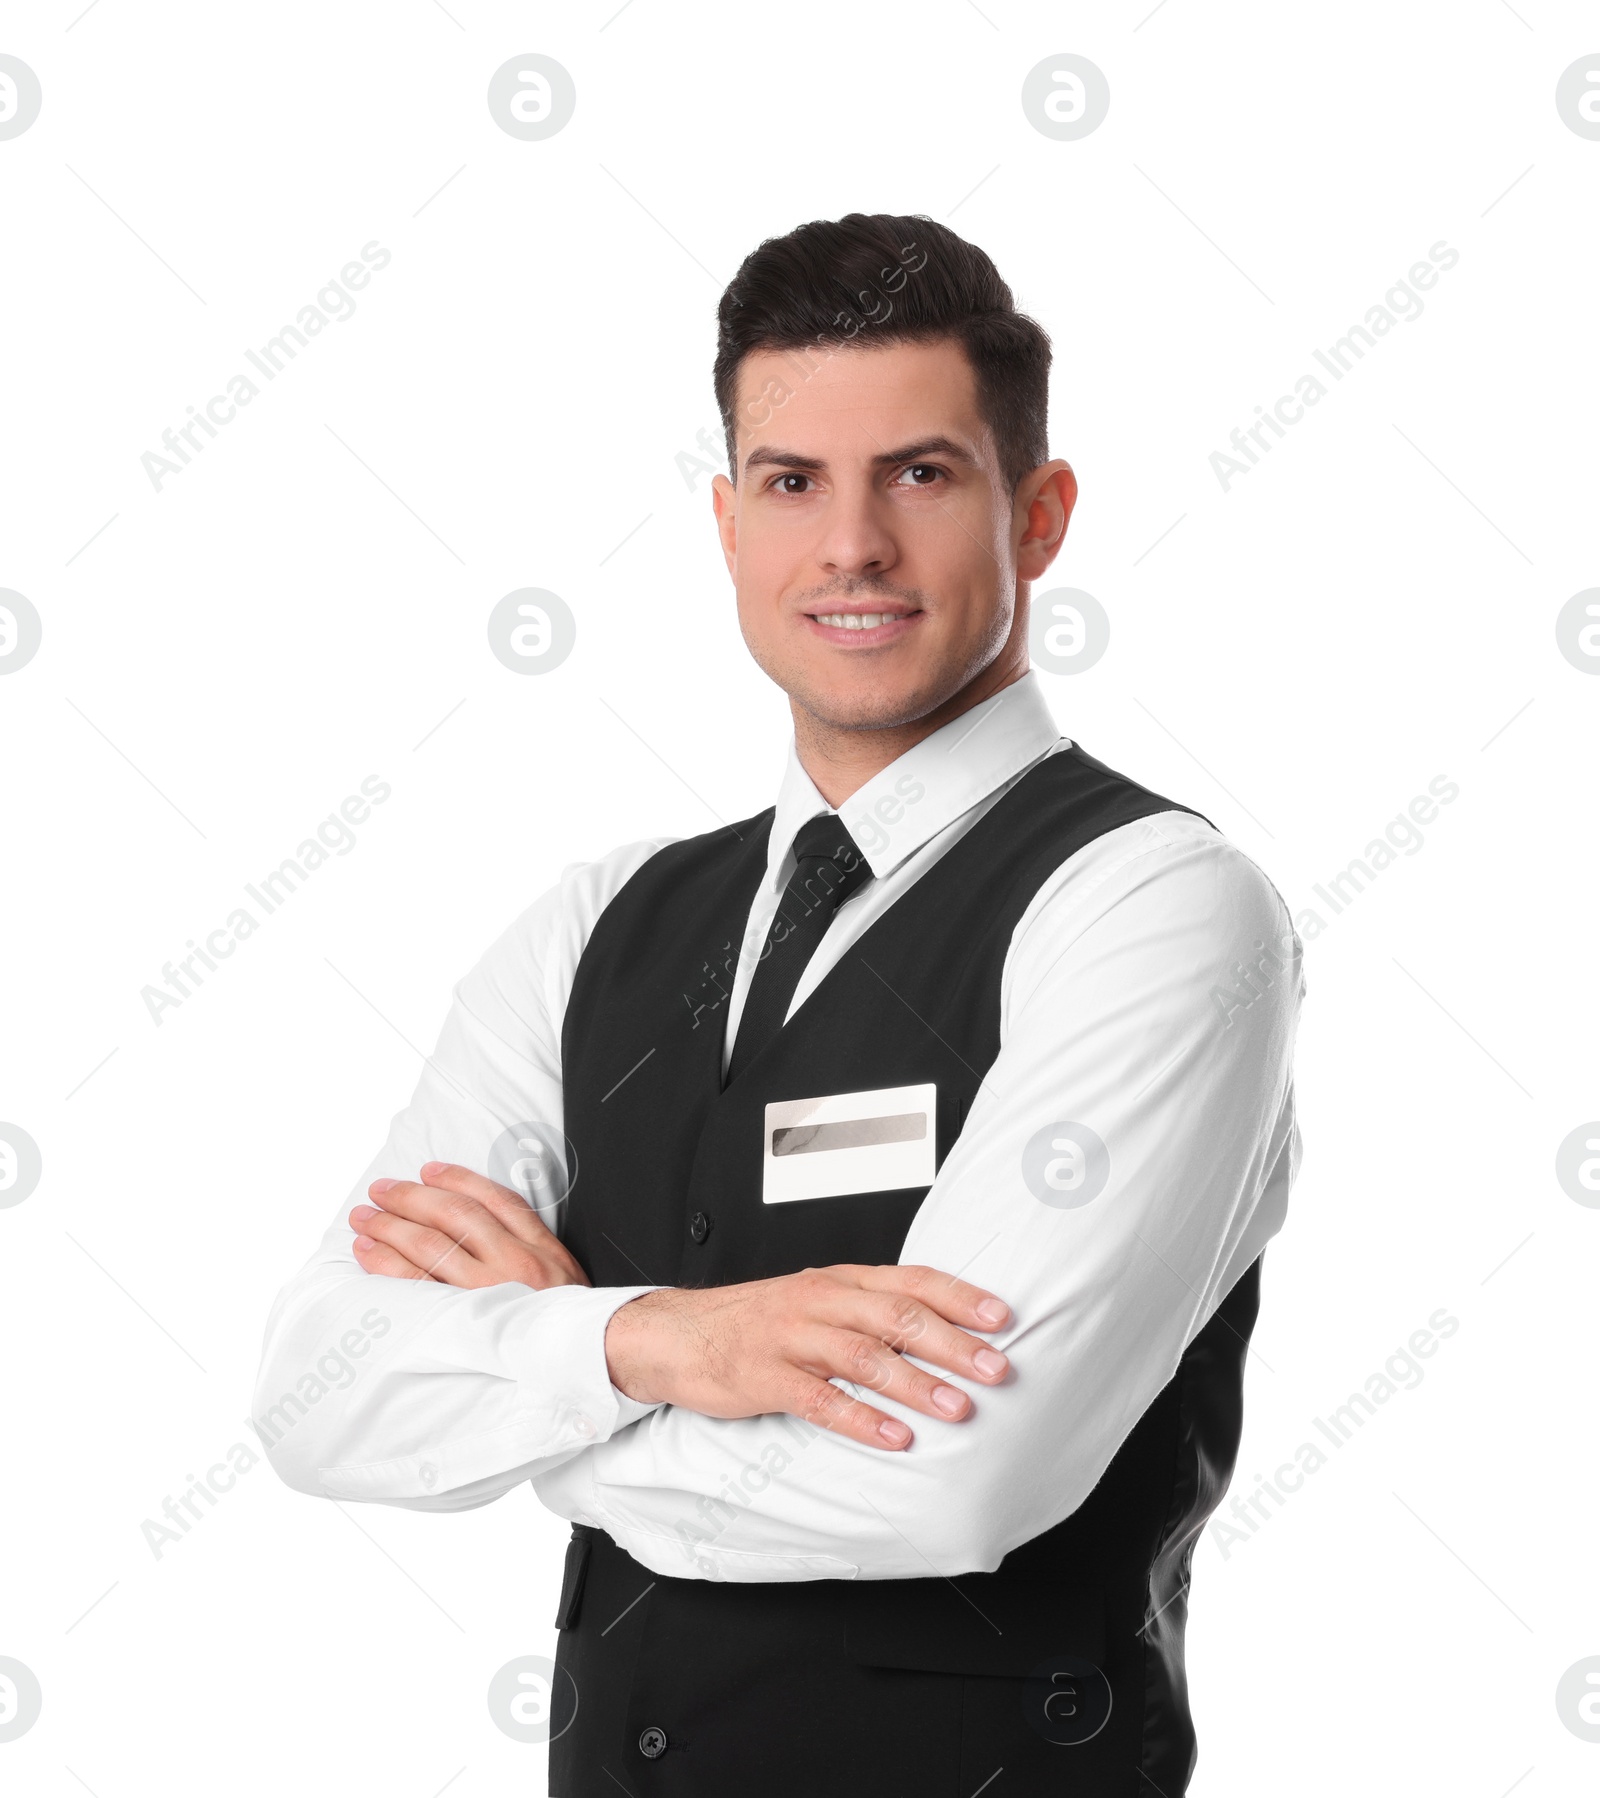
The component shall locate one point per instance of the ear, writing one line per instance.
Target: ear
(1043, 510)
(725, 504)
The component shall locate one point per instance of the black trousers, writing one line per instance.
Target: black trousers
(695, 1689)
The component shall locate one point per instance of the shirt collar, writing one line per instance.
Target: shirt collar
(930, 786)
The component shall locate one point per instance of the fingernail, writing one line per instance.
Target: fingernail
(994, 1312)
(430, 1168)
(363, 1212)
(948, 1400)
(990, 1363)
(364, 1243)
(383, 1186)
(894, 1432)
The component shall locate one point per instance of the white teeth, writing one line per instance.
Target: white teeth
(854, 621)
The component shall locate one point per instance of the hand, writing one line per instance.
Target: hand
(461, 1229)
(776, 1345)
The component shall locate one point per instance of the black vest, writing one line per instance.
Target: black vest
(1064, 1666)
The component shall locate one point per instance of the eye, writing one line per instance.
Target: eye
(924, 473)
(782, 483)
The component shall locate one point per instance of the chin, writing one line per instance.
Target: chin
(867, 704)
(887, 694)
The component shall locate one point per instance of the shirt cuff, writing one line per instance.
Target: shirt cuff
(567, 1403)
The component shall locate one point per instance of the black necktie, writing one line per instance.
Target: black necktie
(828, 869)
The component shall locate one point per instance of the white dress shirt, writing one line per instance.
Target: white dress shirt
(1151, 990)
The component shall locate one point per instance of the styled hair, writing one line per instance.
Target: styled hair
(877, 278)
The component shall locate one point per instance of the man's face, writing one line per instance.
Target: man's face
(872, 541)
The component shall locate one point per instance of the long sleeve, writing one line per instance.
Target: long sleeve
(427, 1395)
(1149, 1005)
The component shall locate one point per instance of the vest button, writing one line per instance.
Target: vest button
(653, 1743)
(699, 1226)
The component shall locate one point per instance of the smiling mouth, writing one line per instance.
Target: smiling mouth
(855, 621)
(862, 626)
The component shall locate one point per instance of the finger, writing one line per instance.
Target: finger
(958, 1300)
(867, 1361)
(887, 1311)
(911, 1328)
(513, 1210)
(501, 1202)
(521, 1220)
(470, 1246)
(378, 1258)
(440, 1257)
(452, 1215)
(821, 1404)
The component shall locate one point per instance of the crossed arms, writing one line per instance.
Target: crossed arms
(656, 1414)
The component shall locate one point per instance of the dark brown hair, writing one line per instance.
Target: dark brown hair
(877, 278)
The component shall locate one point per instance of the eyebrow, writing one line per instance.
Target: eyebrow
(922, 450)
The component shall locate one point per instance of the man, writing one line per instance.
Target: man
(910, 1147)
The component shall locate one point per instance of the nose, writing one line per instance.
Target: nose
(856, 541)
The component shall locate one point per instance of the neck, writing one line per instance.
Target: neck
(841, 759)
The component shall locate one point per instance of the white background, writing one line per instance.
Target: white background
(1373, 606)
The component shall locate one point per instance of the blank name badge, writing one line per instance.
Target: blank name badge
(849, 1143)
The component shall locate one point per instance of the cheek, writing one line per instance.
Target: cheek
(770, 564)
(966, 569)
(964, 534)
(760, 618)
